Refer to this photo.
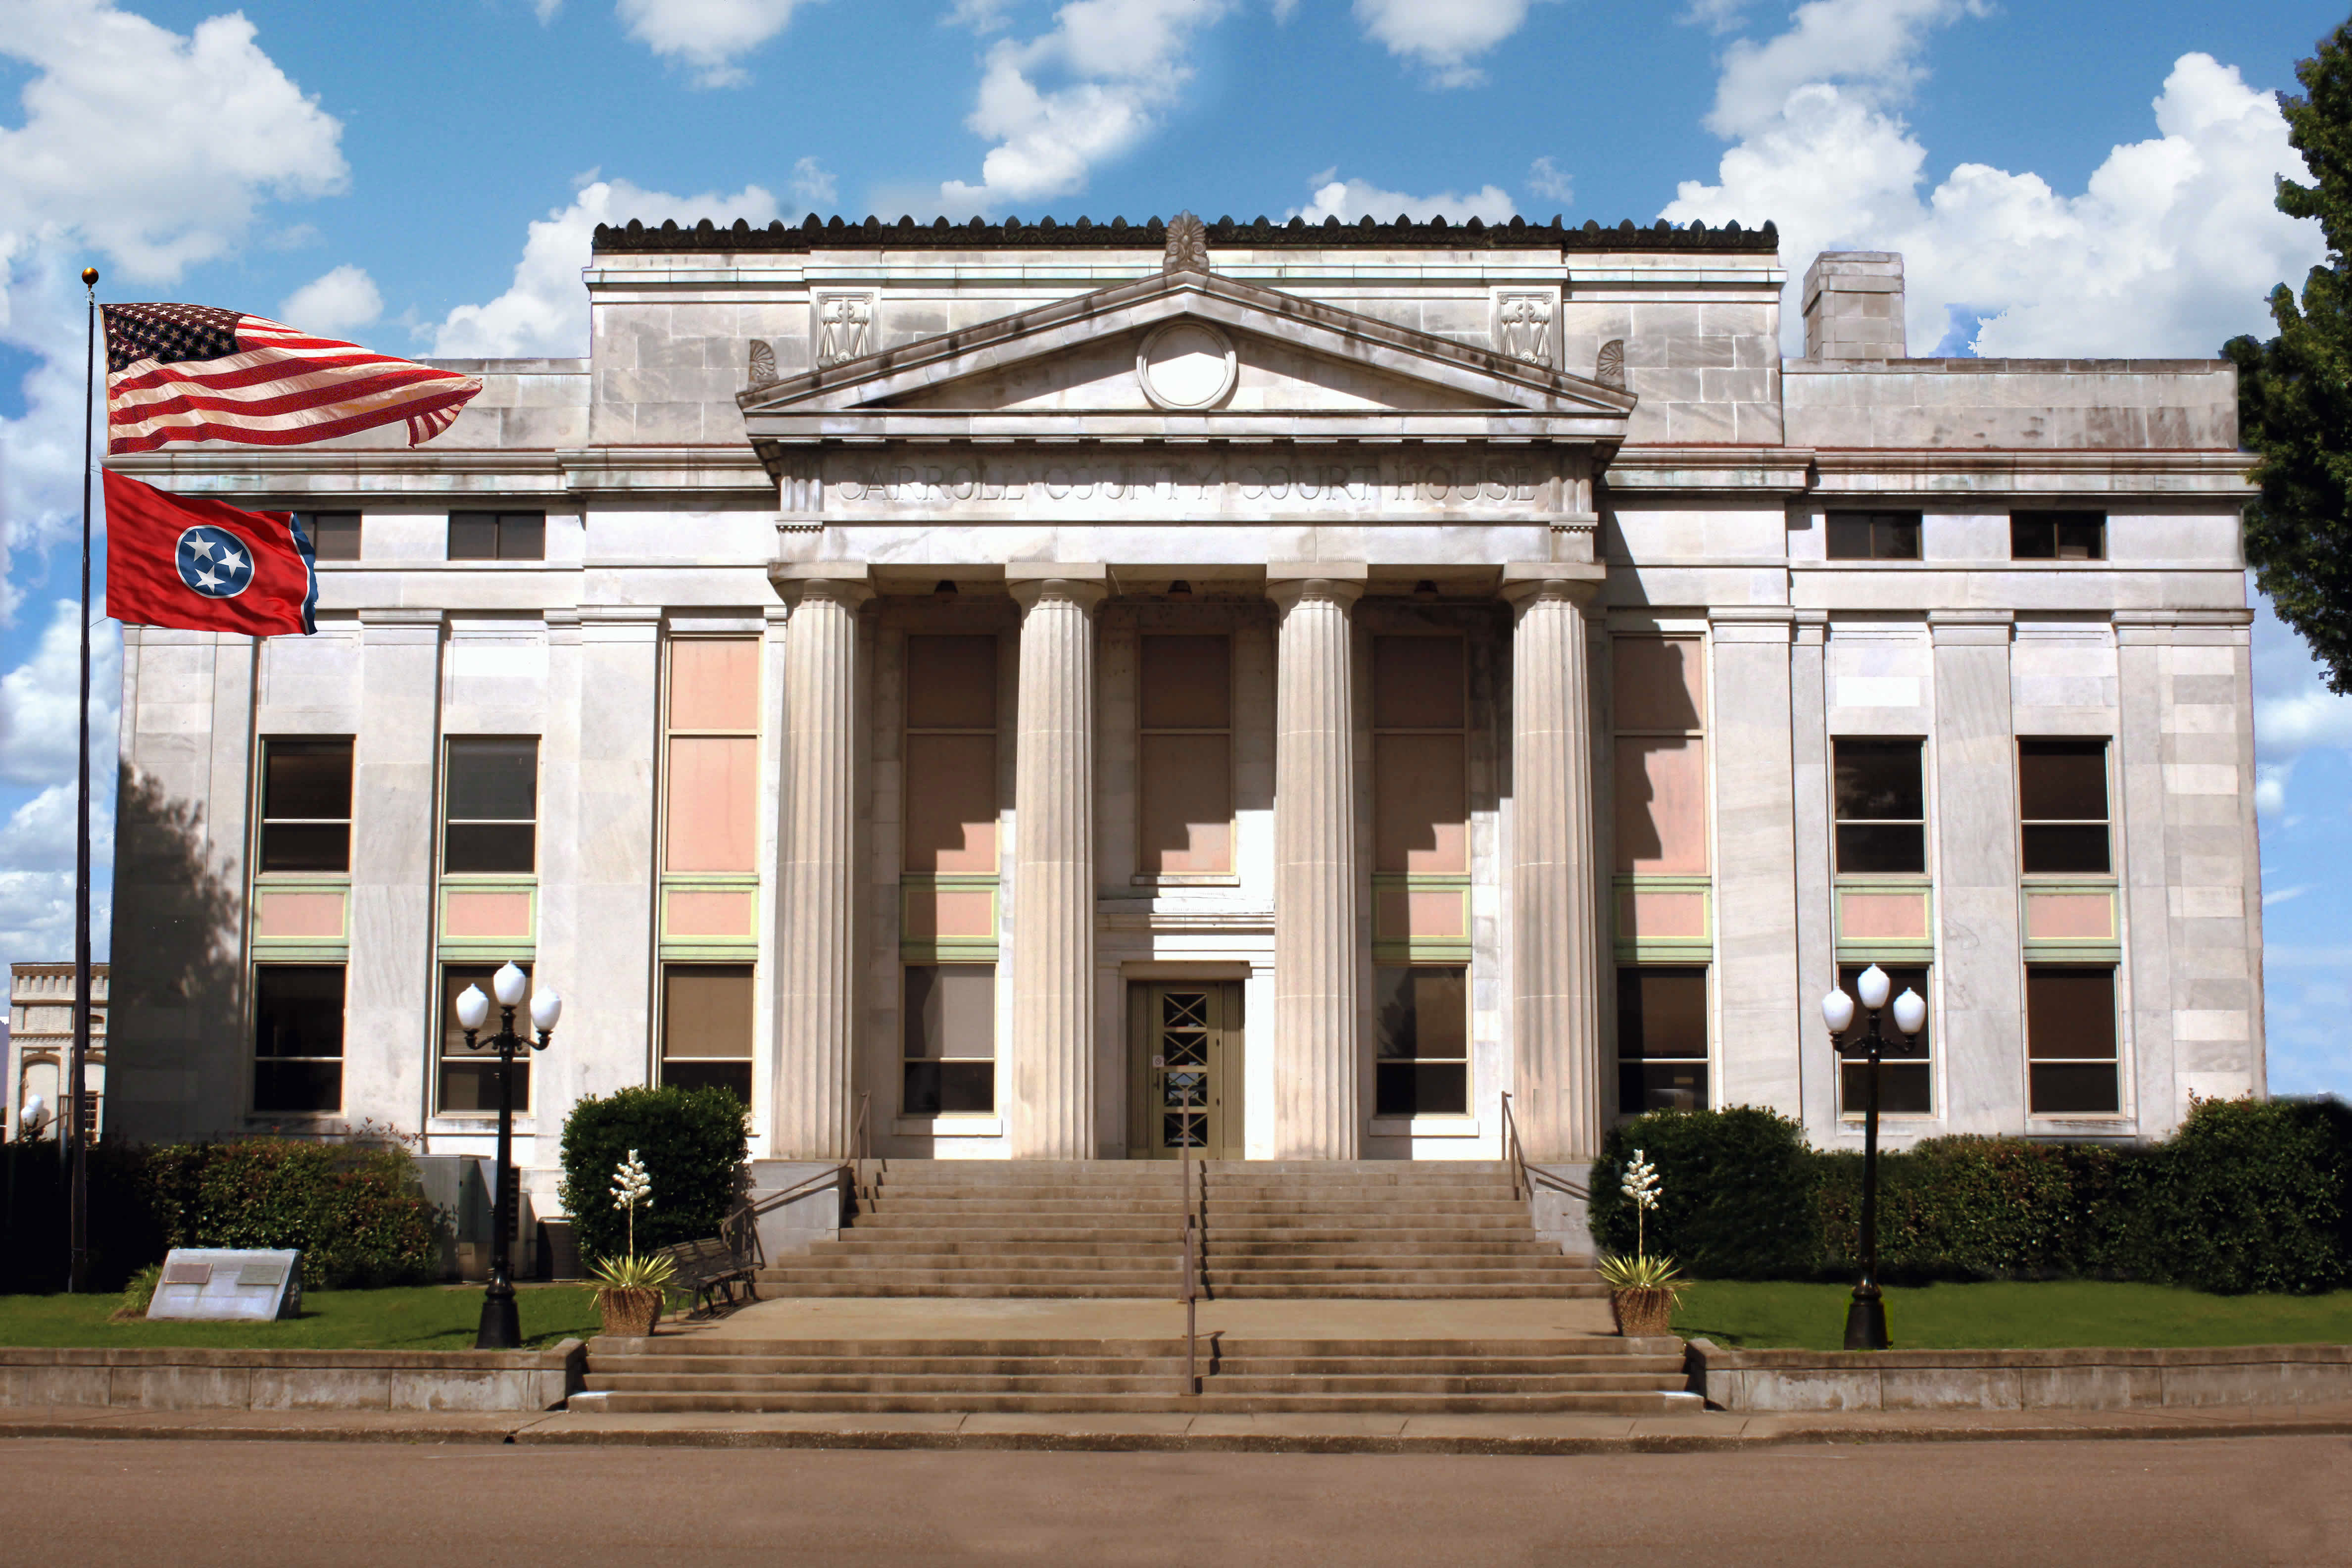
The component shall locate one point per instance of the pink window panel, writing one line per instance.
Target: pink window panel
(1658, 684)
(1415, 912)
(486, 914)
(2070, 916)
(1883, 917)
(1645, 914)
(299, 914)
(1421, 804)
(1660, 806)
(950, 802)
(712, 914)
(1188, 804)
(950, 912)
(714, 783)
(714, 684)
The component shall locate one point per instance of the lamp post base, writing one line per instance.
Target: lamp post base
(1865, 1320)
(502, 1325)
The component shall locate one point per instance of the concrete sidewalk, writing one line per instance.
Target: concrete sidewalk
(1178, 1433)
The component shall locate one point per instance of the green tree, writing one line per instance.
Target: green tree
(2295, 392)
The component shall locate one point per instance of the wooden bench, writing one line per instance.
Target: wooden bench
(714, 1267)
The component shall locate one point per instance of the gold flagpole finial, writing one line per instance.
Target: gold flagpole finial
(89, 277)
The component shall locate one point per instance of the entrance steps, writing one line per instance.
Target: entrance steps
(1595, 1374)
(1368, 1229)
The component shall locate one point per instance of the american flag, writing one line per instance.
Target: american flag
(190, 373)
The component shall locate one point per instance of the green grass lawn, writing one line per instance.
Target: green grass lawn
(408, 1318)
(2048, 1315)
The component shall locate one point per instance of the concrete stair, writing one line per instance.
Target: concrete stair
(1587, 1375)
(1369, 1229)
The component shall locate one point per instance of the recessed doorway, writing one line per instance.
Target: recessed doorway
(1187, 1047)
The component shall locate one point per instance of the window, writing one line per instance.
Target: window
(297, 1037)
(334, 535)
(950, 761)
(1187, 712)
(493, 806)
(2062, 789)
(1422, 1020)
(469, 1078)
(707, 1026)
(2070, 1041)
(1873, 535)
(1905, 1085)
(2058, 535)
(497, 536)
(1882, 808)
(1661, 1039)
(711, 822)
(1421, 805)
(306, 806)
(950, 1047)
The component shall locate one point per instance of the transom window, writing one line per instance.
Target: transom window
(1872, 535)
(2061, 788)
(1882, 808)
(334, 535)
(497, 536)
(2058, 535)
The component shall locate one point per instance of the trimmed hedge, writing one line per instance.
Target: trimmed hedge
(694, 1142)
(2247, 1195)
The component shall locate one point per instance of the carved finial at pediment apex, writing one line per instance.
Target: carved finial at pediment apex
(1188, 245)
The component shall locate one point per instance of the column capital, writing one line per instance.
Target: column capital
(1527, 583)
(846, 583)
(1085, 583)
(1289, 583)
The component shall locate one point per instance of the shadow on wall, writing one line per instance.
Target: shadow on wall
(177, 984)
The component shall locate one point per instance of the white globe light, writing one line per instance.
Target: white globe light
(35, 1114)
(508, 983)
(1837, 1012)
(473, 1008)
(1873, 984)
(546, 1007)
(1910, 1011)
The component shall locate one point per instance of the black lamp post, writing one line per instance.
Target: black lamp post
(1866, 1319)
(501, 1325)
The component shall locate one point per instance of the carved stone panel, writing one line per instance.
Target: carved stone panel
(1526, 326)
(844, 327)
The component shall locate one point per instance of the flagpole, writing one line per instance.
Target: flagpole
(78, 1219)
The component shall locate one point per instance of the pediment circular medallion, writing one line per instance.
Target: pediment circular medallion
(1185, 366)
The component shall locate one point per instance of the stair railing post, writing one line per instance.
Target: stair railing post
(1191, 1247)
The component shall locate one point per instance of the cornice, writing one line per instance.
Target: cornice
(813, 234)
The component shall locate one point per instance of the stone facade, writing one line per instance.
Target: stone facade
(39, 1046)
(980, 688)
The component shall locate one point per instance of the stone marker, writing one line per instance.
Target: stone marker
(217, 1284)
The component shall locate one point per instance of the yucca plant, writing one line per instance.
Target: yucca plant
(1641, 1272)
(630, 1272)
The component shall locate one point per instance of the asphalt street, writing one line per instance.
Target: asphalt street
(2231, 1502)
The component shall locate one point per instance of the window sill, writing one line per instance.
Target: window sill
(949, 1126)
(1200, 880)
(1424, 1127)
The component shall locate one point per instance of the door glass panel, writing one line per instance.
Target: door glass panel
(1184, 1098)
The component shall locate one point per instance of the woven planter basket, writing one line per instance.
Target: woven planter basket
(630, 1314)
(1642, 1314)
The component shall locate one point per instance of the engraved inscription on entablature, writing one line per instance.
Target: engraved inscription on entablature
(1176, 484)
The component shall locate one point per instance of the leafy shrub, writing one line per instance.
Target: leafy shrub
(354, 1212)
(693, 1144)
(2248, 1196)
(1970, 1208)
(1735, 1200)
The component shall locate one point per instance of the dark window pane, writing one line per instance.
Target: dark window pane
(704, 1074)
(299, 1010)
(1661, 1012)
(522, 536)
(305, 778)
(490, 846)
(1848, 535)
(2065, 780)
(2069, 850)
(967, 1088)
(2082, 535)
(921, 1093)
(1904, 1089)
(1421, 1013)
(472, 1087)
(1881, 848)
(1897, 538)
(334, 535)
(1873, 535)
(1904, 1086)
(2070, 1012)
(1879, 779)
(2031, 537)
(2074, 1089)
(1421, 1089)
(306, 847)
(280, 1086)
(472, 536)
(951, 1011)
(494, 779)
(1661, 1086)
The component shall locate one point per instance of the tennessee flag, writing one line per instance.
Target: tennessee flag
(204, 565)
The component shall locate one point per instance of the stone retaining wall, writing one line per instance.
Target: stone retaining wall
(2018, 1380)
(189, 1379)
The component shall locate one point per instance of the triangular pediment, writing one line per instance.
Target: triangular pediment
(1188, 351)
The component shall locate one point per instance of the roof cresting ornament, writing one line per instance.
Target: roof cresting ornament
(1188, 245)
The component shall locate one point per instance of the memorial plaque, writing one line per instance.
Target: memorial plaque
(223, 1285)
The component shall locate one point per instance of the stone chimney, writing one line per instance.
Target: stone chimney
(1854, 305)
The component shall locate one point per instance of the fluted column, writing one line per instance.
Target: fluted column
(816, 1000)
(1556, 962)
(1318, 1037)
(1052, 1116)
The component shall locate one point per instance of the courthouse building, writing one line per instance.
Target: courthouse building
(996, 680)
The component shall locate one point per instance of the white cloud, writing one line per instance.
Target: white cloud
(2170, 248)
(545, 311)
(1442, 35)
(1550, 182)
(145, 151)
(39, 701)
(979, 16)
(341, 301)
(546, 9)
(1112, 66)
(813, 184)
(1715, 16)
(708, 34)
(2285, 895)
(1348, 200)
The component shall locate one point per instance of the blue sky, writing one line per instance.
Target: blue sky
(2073, 177)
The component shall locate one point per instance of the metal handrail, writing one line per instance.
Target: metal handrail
(861, 1148)
(1189, 1292)
(1521, 1186)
